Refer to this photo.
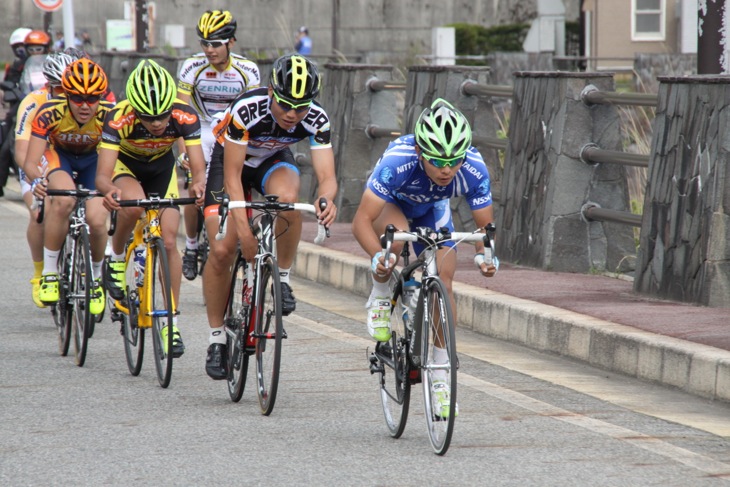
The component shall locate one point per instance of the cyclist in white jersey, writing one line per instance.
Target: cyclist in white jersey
(210, 81)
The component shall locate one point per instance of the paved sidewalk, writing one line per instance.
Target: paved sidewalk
(592, 318)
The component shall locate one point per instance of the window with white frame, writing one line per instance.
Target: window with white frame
(647, 20)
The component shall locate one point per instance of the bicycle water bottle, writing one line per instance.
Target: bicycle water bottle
(139, 260)
(411, 290)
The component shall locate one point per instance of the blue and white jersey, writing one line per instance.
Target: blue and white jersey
(399, 178)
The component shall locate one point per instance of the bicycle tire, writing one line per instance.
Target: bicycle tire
(203, 250)
(80, 287)
(132, 334)
(269, 334)
(437, 320)
(162, 311)
(236, 322)
(59, 310)
(395, 386)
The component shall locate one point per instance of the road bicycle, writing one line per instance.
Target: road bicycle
(421, 319)
(76, 284)
(148, 302)
(253, 318)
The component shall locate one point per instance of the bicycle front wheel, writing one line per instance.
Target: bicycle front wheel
(395, 387)
(269, 333)
(80, 287)
(438, 363)
(236, 323)
(162, 311)
(60, 310)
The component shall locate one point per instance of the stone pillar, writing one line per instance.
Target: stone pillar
(351, 106)
(427, 83)
(684, 253)
(546, 183)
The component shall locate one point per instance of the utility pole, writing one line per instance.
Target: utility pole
(141, 25)
(711, 43)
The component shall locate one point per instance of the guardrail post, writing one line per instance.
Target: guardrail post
(545, 183)
(425, 84)
(351, 106)
(684, 252)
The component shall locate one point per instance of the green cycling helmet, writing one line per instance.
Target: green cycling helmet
(150, 88)
(442, 131)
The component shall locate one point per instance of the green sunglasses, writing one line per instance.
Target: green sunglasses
(441, 163)
(290, 106)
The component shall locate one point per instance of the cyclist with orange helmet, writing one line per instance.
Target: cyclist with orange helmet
(136, 159)
(37, 46)
(72, 125)
(14, 70)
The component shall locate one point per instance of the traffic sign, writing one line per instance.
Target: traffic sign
(48, 5)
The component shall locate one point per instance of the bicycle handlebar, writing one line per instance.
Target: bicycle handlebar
(431, 237)
(270, 205)
(75, 193)
(149, 202)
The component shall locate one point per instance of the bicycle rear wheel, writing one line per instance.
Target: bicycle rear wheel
(438, 332)
(236, 323)
(162, 312)
(132, 335)
(395, 388)
(269, 333)
(80, 287)
(60, 310)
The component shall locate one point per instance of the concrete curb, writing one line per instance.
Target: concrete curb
(697, 369)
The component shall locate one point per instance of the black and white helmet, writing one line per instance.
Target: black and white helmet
(54, 66)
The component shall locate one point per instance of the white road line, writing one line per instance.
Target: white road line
(639, 440)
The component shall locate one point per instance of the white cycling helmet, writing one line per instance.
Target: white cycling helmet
(18, 35)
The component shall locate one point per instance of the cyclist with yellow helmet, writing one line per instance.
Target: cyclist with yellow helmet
(210, 81)
(71, 124)
(136, 159)
(253, 148)
(410, 187)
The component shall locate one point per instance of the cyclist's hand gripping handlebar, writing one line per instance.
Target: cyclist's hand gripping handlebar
(322, 231)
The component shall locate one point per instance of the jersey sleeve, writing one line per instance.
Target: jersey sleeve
(479, 194)
(188, 123)
(186, 78)
(26, 112)
(382, 180)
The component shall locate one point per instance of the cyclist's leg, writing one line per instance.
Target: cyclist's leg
(127, 218)
(34, 236)
(378, 303)
(280, 176)
(57, 211)
(216, 274)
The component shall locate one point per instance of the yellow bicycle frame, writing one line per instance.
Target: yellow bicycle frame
(146, 229)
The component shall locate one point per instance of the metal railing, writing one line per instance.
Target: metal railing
(593, 96)
(593, 212)
(592, 154)
(471, 87)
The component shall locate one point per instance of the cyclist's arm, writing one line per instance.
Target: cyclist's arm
(21, 152)
(234, 156)
(371, 207)
(104, 171)
(323, 163)
(181, 142)
(197, 166)
(36, 148)
(482, 217)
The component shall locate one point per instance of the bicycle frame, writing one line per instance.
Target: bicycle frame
(146, 231)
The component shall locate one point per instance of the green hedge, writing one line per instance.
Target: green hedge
(478, 40)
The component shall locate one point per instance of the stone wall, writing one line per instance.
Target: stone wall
(684, 253)
(546, 184)
(649, 67)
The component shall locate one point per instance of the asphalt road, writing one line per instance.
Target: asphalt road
(525, 418)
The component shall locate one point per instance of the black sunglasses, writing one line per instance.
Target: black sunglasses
(81, 99)
(154, 118)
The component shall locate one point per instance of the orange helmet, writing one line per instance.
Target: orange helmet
(84, 77)
(37, 38)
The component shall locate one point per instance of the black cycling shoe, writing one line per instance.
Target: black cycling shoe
(288, 301)
(190, 264)
(216, 362)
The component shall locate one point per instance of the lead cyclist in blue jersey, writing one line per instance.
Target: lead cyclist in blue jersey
(410, 187)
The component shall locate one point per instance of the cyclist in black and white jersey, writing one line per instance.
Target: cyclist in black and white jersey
(210, 81)
(253, 147)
